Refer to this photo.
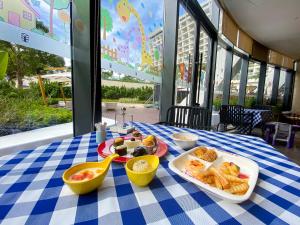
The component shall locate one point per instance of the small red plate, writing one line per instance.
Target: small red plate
(104, 150)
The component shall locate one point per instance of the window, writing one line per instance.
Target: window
(204, 68)
(252, 83)
(39, 94)
(27, 15)
(281, 87)
(185, 57)
(219, 78)
(235, 80)
(131, 59)
(268, 85)
(211, 9)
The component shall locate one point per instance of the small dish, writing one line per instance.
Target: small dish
(142, 178)
(86, 186)
(185, 140)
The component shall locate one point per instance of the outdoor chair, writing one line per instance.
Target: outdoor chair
(235, 116)
(188, 117)
(283, 132)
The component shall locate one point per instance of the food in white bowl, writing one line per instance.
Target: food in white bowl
(185, 140)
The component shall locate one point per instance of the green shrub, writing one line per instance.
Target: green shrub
(113, 92)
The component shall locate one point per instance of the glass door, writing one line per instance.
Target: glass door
(203, 72)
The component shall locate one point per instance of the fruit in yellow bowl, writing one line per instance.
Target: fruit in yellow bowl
(147, 166)
(86, 177)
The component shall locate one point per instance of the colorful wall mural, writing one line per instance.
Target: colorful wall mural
(131, 34)
(39, 24)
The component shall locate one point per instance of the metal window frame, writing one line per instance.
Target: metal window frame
(288, 90)
(169, 57)
(275, 85)
(171, 18)
(82, 61)
(243, 81)
(261, 83)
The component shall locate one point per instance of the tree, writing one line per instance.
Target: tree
(3, 63)
(41, 26)
(106, 22)
(106, 75)
(58, 5)
(23, 61)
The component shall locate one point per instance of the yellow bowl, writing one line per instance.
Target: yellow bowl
(84, 187)
(142, 178)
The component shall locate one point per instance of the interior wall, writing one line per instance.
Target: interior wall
(296, 97)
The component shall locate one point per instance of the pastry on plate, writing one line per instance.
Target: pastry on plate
(206, 154)
(132, 143)
(137, 135)
(118, 141)
(139, 151)
(193, 167)
(121, 150)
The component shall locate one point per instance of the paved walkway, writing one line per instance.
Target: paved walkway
(139, 112)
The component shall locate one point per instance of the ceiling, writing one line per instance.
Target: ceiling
(273, 23)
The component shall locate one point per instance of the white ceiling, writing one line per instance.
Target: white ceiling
(273, 23)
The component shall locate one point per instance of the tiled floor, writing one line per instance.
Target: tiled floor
(294, 153)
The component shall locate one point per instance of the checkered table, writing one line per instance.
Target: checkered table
(259, 115)
(32, 191)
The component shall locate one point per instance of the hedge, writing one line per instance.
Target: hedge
(113, 92)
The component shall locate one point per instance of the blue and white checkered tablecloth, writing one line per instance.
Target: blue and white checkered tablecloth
(258, 115)
(32, 191)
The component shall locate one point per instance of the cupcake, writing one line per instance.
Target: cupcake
(139, 151)
(121, 150)
(118, 141)
(137, 135)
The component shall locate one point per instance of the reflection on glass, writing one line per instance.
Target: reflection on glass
(132, 36)
(235, 80)
(204, 62)
(268, 85)
(211, 9)
(252, 84)
(281, 87)
(219, 78)
(185, 56)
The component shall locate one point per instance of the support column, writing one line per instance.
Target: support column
(169, 57)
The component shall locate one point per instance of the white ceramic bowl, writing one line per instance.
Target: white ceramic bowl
(185, 140)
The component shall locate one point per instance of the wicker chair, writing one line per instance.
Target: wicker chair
(188, 117)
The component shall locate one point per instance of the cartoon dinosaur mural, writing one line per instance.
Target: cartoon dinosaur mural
(124, 10)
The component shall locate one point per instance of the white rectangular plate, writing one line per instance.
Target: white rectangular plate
(247, 166)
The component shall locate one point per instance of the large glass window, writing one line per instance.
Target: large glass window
(281, 87)
(211, 9)
(35, 77)
(185, 57)
(268, 85)
(204, 68)
(219, 78)
(235, 80)
(252, 83)
(131, 58)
